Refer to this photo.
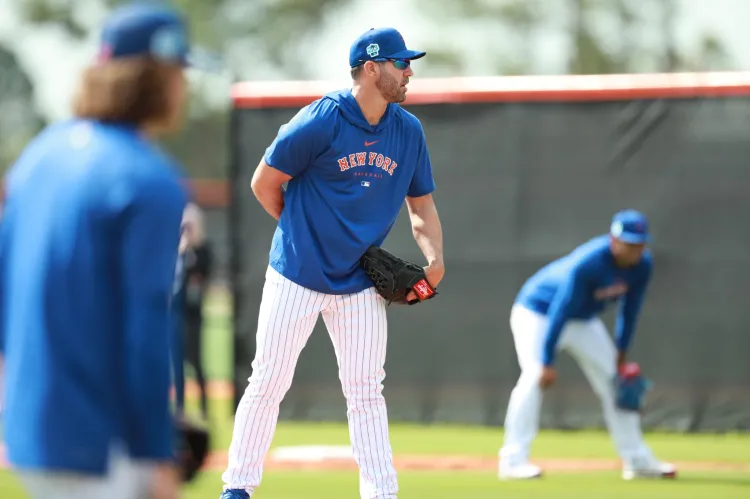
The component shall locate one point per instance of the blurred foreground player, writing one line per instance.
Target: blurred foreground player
(89, 242)
(558, 309)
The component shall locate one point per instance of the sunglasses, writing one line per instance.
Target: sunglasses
(400, 64)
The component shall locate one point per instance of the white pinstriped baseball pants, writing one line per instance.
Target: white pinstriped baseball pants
(358, 328)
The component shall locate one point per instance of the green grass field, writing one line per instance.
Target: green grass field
(483, 484)
(471, 441)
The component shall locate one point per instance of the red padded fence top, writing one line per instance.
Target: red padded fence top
(264, 94)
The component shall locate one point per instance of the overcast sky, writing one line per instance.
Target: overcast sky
(55, 64)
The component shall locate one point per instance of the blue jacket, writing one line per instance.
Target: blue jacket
(581, 285)
(88, 245)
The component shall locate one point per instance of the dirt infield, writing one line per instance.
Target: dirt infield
(217, 462)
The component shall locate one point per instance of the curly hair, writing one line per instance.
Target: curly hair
(133, 90)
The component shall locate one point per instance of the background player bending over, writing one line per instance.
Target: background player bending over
(558, 309)
(351, 158)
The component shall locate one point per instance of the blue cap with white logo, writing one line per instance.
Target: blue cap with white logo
(630, 226)
(145, 29)
(380, 44)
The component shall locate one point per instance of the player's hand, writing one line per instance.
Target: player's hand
(434, 275)
(165, 482)
(548, 377)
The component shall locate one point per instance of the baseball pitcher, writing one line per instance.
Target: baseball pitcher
(350, 159)
(558, 309)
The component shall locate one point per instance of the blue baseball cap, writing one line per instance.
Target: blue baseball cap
(630, 226)
(145, 29)
(380, 44)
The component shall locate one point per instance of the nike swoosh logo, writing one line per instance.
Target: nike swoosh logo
(370, 143)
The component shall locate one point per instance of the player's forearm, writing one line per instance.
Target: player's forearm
(622, 338)
(621, 356)
(627, 319)
(271, 199)
(428, 233)
(550, 342)
(267, 184)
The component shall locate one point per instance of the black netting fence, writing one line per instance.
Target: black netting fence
(520, 184)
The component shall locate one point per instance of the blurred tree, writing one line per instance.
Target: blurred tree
(605, 36)
(645, 41)
(523, 18)
(19, 119)
(672, 61)
(712, 55)
(631, 50)
(273, 28)
(245, 34)
(275, 32)
(506, 27)
(54, 12)
(588, 56)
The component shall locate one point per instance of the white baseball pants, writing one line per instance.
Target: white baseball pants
(591, 346)
(358, 328)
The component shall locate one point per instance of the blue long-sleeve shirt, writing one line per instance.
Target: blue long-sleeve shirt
(581, 285)
(89, 242)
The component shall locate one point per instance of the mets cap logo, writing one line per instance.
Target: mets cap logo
(169, 43)
(373, 50)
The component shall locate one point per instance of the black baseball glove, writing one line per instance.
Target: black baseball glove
(393, 277)
(193, 445)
